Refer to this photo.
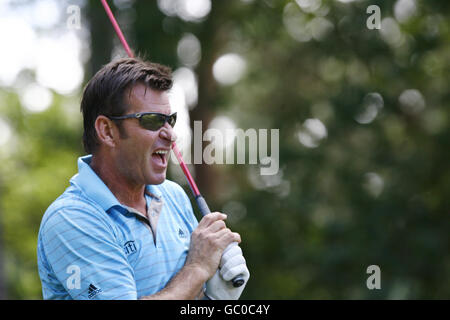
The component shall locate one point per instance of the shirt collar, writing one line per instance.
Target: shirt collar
(88, 181)
(153, 191)
(91, 184)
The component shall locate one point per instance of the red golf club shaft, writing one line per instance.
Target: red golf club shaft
(202, 205)
(125, 45)
(117, 29)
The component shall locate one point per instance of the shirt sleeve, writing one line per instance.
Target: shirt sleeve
(81, 251)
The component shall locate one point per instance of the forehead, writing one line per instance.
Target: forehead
(142, 98)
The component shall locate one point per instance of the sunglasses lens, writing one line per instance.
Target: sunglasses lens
(152, 121)
(172, 120)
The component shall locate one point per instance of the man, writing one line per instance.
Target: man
(121, 230)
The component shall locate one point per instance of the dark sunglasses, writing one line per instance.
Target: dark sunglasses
(151, 120)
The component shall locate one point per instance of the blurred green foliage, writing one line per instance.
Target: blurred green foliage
(370, 192)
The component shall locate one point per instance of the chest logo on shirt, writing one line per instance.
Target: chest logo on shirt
(93, 291)
(129, 247)
(181, 233)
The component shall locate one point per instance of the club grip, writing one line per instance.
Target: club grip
(204, 209)
(202, 205)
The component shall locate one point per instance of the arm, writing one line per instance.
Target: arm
(187, 284)
(208, 242)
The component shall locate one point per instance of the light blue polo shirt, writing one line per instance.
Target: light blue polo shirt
(92, 247)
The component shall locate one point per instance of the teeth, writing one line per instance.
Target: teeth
(161, 152)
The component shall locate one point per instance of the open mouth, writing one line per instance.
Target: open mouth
(160, 156)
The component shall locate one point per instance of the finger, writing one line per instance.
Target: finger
(226, 237)
(233, 262)
(236, 237)
(210, 218)
(216, 226)
(232, 250)
(233, 272)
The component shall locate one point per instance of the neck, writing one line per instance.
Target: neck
(124, 189)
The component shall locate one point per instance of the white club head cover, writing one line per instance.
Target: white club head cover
(220, 287)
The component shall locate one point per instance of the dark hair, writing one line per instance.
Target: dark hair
(105, 94)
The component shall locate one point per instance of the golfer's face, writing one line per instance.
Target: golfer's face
(143, 154)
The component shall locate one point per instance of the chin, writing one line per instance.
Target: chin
(157, 178)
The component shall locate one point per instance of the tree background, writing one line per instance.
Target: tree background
(364, 128)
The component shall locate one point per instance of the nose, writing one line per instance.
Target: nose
(167, 133)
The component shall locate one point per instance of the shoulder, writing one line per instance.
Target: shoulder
(73, 209)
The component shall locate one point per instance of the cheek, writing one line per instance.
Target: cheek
(142, 147)
(141, 140)
(139, 143)
(149, 138)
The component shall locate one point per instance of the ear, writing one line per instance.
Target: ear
(107, 132)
